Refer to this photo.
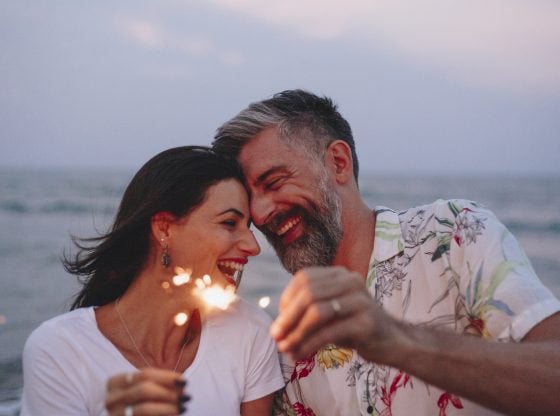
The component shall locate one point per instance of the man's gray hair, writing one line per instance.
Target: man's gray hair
(303, 119)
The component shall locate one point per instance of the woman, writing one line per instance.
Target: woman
(187, 208)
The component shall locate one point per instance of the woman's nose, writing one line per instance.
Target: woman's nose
(249, 243)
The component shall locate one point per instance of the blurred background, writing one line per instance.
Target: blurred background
(446, 99)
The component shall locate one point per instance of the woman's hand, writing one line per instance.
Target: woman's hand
(150, 391)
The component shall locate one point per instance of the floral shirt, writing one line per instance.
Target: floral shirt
(449, 265)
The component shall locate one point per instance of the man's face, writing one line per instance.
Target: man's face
(292, 201)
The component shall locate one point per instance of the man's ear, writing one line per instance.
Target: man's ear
(160, 225)
(338, 159)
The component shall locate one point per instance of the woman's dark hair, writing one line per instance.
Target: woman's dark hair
(176, 181)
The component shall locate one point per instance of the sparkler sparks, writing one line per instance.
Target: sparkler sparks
(264, 301)
(182, 276)
(181, 319)
(213, 295)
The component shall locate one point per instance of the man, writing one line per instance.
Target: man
(434, 310)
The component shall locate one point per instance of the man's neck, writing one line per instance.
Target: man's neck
(356, 246)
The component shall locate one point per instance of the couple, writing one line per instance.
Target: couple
(434, 310)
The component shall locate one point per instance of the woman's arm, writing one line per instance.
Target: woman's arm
(258, 407)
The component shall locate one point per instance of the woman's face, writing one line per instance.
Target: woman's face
(215, 238)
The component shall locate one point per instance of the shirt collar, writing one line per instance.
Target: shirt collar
(388, 240)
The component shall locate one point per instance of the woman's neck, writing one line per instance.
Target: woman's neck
(141, 324)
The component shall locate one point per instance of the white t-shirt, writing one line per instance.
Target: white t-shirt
(450, 265)
(67, 361)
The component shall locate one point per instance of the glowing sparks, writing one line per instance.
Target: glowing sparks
(218, 296)
(182, 276)
(181, 319)
(181, 279)
(213, 295)
(199, 284)
(264, 301)
(207, 280)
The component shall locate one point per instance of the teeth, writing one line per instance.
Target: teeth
(232, 265)
(288, 226)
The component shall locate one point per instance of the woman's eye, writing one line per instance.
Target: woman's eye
(229, 223)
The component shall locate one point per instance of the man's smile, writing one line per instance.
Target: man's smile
(288, 229)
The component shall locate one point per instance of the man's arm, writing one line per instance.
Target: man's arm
(515, 378)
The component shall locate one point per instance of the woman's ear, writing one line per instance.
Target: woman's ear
(160, 225)
(339, 160)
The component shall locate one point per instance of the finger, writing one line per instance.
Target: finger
(321, 281)
(318, 315)
(166, 378)
(310, 287)
(338, 330)
(143, 391)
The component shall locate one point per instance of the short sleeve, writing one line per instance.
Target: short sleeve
(50, 388)
(502, 294)
(263, 374)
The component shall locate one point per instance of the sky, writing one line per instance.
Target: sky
(440, 87)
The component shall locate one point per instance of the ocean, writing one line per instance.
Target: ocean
(39, 210)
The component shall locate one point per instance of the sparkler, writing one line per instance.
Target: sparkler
(213, 295)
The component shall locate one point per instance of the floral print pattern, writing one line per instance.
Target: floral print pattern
(331, 356)
(450, 264)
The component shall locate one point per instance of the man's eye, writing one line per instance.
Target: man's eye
(273, 183)
(229, 223)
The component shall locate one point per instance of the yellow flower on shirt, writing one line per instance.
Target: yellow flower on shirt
(333, 357)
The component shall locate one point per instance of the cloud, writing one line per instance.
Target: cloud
(142, 32)
(150, 35)
(506, 44)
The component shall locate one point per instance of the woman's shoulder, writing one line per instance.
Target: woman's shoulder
(61, 328)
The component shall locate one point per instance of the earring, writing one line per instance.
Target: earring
(165, 257)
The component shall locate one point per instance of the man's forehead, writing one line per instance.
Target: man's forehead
(263, 153)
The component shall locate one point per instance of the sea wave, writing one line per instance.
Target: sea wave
(518, 227)
(10, 407)
(53, 207)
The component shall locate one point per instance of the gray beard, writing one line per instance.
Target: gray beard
(322, 234)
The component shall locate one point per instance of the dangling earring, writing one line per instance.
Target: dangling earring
(165, 257)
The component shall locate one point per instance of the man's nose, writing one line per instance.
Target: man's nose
(262, 208)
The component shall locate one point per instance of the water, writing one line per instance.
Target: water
(39, 210)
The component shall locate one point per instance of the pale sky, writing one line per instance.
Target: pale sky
(462, 87)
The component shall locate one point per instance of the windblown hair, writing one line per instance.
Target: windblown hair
(303, 119)
(175, 181)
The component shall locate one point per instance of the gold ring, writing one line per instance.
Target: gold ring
(335, 304)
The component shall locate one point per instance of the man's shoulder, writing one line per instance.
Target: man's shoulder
(440, 208)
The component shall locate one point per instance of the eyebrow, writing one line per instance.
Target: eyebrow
(234, 211)
(237, 213)
(263, 176)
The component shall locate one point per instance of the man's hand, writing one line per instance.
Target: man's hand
(331, 305)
